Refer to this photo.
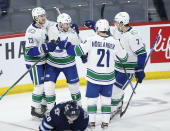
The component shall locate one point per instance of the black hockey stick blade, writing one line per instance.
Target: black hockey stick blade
(102, 11)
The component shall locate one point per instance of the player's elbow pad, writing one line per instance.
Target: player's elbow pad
(141, 60)
(33, 52)
(70, 50)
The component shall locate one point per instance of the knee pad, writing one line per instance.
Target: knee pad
(105, 100)
(74, 88)
(38, 89)
(37, 95)
(117, 93)
(75, 92)
(49, 89)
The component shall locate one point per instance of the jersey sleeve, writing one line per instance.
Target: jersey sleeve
(50, 120)
(53, 32)
(79, 50)
(32, 48)
(121, 54)
(136, 43)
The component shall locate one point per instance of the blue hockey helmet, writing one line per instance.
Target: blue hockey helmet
(71, 110)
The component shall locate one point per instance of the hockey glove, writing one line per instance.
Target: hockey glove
(64, 44)
(48, 47)
(75, 27)
(90, 24)
(140, 75)
(139, 70)
(84, 58)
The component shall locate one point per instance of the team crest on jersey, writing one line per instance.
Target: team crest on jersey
(57, 111)
(32, 31)
(133, 32)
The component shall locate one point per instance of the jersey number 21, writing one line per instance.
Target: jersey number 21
(103, 54)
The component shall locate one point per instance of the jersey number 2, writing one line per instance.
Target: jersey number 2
(102, 52)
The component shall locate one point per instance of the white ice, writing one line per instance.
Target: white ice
(149, 109)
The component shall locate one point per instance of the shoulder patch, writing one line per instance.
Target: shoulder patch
(32, 31)
(133, 32)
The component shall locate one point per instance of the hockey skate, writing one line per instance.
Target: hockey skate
(91, 126)
(104, 125)
(117, 112)
(36, 113)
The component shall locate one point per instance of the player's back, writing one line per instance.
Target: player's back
(101, 56)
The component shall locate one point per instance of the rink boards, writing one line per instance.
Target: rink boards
(12, 65)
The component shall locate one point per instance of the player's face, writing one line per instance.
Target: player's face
(64, 26)
(118, 25)
(41, 19)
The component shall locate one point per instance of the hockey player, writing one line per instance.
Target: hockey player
(59, 61)
(65, 116)
(133, 44)
(37, 46)
(102, 50)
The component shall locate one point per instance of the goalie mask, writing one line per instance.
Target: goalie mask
(71, 110)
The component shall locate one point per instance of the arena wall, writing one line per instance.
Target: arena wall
(12, 65)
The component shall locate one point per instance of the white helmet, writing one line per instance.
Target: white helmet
(64, 18)
(102, 25)
(38, 11)
(122, 17)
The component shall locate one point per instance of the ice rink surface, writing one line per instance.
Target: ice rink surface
(149, 109)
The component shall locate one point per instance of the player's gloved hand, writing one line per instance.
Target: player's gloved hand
(75, 27)
(64, 44)
(139, 74)
(48, 47)
(84, 58)
(90, 24)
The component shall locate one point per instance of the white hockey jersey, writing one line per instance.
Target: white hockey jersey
(59, 58)
(102, 53)
(34, 38)
(133, 44)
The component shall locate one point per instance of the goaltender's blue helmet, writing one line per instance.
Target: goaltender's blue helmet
(72, 109)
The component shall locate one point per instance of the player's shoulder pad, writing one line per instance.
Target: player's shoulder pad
(31, 30)
(133, 32)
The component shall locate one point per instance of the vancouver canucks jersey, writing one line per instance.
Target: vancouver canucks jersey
(102, 53)
(55, 120)
(34, 38)
(59, 58)
(133, 44)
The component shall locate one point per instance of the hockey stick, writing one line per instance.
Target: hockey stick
(130, 82)
(158, 35)
(21, 78)
(102, 10)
